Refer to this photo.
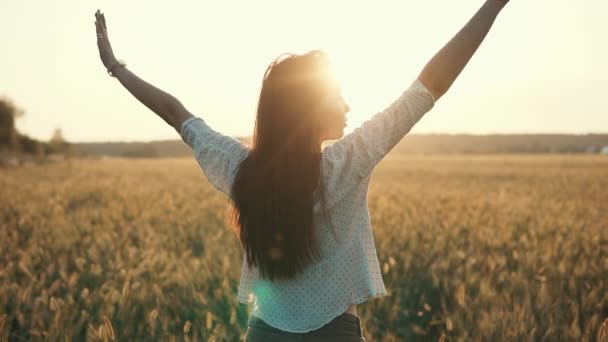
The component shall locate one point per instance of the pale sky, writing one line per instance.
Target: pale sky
(541, 69)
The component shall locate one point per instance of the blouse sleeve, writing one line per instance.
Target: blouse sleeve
(354, 157)
(218, 155)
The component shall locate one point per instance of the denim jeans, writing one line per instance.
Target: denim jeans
(344, 328)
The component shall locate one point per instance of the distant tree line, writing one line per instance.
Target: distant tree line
(410, 144)
(501, 143)
(13, 143)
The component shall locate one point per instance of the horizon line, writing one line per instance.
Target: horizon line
(240, 137)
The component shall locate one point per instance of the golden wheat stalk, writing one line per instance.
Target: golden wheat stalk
(602, 335)
(109, 328)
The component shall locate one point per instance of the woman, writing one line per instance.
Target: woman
(300, 211)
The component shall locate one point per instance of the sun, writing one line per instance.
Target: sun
(367, 85)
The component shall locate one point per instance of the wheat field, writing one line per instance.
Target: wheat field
(497, 247)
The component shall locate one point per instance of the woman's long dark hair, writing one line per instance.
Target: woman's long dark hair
(273, 189)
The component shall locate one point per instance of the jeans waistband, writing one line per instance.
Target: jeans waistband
(344, 317)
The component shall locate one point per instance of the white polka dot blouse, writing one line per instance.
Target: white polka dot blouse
(349, 271)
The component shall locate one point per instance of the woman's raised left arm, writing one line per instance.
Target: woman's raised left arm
(160, 102)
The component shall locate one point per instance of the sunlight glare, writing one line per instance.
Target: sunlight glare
(368, 85)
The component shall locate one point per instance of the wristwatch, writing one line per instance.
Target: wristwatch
(117, 64)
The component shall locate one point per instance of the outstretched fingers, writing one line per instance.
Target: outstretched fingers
(100, 25)
(97, 27)
(99, 22)
(103, 21)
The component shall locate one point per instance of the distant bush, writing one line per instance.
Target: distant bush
(31, 146)
(8, 134)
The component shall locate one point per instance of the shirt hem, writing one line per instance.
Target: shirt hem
(358, 300)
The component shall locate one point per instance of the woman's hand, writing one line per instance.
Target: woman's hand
(103, 43)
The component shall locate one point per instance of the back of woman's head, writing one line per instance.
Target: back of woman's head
(273, 188)
(292, 90)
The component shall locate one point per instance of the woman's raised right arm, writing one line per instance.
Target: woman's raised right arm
(355, 156)
(441, 71)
